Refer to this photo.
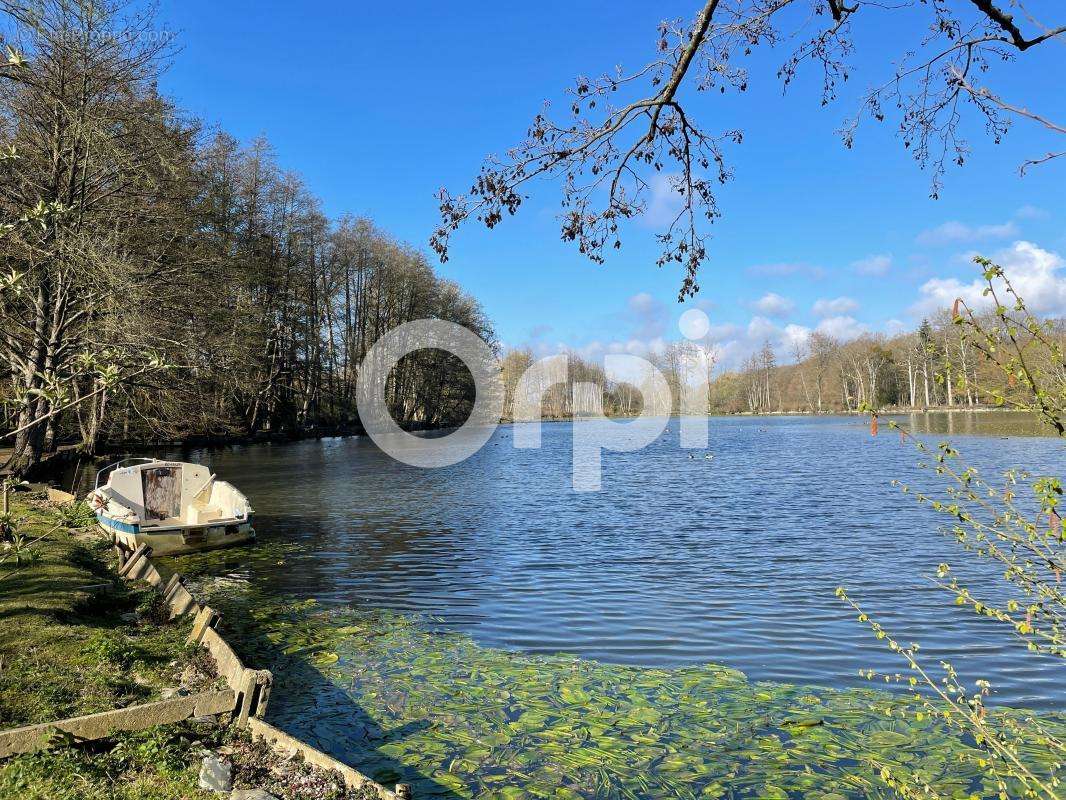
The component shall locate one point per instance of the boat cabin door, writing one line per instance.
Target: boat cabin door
(162, 492)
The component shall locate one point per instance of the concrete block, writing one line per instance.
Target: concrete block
(216, 774)
(288, 745)
(61, 497)
(226, 660)
(31, 738)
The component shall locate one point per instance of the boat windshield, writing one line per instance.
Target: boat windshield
(125, 462)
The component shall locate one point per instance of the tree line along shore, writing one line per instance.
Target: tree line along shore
(162, 282)
(935, 367)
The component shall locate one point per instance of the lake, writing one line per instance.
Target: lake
(679, 562)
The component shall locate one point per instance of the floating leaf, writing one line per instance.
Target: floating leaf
(402, 700)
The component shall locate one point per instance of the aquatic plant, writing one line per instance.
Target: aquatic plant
(1015, 524)
(402, 699)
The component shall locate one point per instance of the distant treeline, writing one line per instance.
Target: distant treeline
(172, 281)
(934, 366)
(586, 388)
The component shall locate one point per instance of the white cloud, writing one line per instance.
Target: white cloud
(834, 307)
(731, 344)
(641, 327)
(1035, 273)
(760, 328)
(842, 327)
(794, 336)
(596, 349)
(702, 303)
(665, 201)
(774, 305)
(940, 293)
(647, 316)
(895, 326)
(1031, 212)
(873, 265)
(719, 333)
(735, 344)
(955, 232)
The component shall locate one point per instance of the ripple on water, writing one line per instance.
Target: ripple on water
(678, 561)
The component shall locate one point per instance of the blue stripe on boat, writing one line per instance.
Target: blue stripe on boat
(125, 527)
(122, 527)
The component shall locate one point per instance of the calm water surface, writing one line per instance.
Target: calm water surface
(678, 561)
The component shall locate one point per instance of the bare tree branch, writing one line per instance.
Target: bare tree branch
(607, 173)
(1006, 22)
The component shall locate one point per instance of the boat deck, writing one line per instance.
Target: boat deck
(176, 523)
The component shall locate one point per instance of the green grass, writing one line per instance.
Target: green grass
(162, 764)
(68, 650)
(67, 646)
(159, 764)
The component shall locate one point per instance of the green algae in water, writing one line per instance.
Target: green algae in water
(386, 693)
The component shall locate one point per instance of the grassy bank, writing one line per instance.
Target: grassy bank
(75, 639)
(161, 764)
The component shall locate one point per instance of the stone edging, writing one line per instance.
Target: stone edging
(287, 745)
(31, 738)
(252, 686)
(246, 696)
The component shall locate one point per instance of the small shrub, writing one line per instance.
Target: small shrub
(17, 551)
(76, 515)
(1016, 525)
(8, 526)
(111, 649)
(152, 608)
(165, 749)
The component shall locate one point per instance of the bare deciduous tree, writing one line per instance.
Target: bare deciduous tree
(130, 242)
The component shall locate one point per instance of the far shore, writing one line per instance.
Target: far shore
(68, 454)
(891, 411)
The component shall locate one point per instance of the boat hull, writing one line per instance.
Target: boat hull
(176, 540)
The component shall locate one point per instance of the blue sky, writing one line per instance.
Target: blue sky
(379, 105)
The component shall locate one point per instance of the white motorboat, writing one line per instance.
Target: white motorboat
(172, 506)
